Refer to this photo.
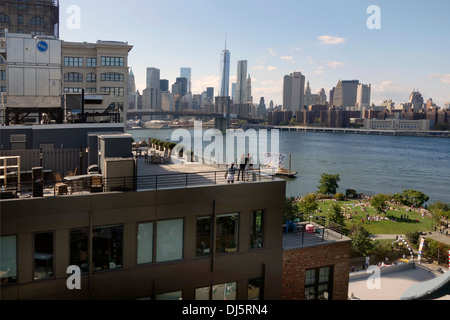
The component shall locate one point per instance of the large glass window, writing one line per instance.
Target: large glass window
(91, 62)
(203, 242)
(257, 230)
(112, 76)
(169, 240)
(107, 247)
(73, 61)
(114, 91)
(176, 295)
(91, 77)
(227, 233)
(79, 246)
(43, 255)
(224, 291)
(255, 289)
(4, 18)
(2, 74)
(73, 77)
(145, 243)
(112, 61)
(203, 293)
(318, 284)
(37, 21)
(8, 259)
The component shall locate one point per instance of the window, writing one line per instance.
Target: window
(37, 33)
(225, 291)
(37, 21)
(112, 61)
(318, 284)
(73, 61)
(255, 289)
(2, 89)
(47, 145)
(257, 230)
(177, 295)
(43, 255)
(18, 141)
(114, 91)
(2, 74)
(73, 77)
(227, 226)
(91, 77)
(19, 19)
(4, 18)
(113, 76)
(79, 249)
(145, 243)
(107, 243)
(91, 62)
(204, 234)
(91, 90)
(8, 259)
(169, 240)
(73, 90)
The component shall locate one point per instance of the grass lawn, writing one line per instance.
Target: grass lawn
(402, 226)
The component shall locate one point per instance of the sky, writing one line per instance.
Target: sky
(326, 40)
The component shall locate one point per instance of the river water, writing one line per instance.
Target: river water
(370, 164)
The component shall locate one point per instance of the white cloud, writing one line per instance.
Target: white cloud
(271, 68)
(335, 64)
(309, 60)
(272, 52)
(444, 77)
(259, 67)
(288, 59)
(204, 82)
(295, 49)
(329, 40)
(319, 70)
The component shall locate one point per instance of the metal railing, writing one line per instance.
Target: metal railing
(123, 184)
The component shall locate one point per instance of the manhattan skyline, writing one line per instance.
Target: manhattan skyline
(327, 41)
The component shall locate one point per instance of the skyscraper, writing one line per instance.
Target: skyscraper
(345, 93)
(210, 92)
(293, 92)
(224, 73)
(363, 95)
(248, 93)
(153, 77)
(183, 85)
(186, 73)
(164, 85)
(241, 82)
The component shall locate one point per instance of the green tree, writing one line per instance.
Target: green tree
(411, 198)
(379, 202)
(329, 183)
(361, 242)
(334, 214)
(440, 211)
(293, 122)
(351, 194)
(291, 210)
(308, 204)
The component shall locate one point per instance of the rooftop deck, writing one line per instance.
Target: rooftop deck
(169, 174)
(311, 233)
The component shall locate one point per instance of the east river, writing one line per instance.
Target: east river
(369, 164)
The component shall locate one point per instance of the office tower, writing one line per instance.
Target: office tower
(224, 73)
(131, 82)
(345, 93)
(167, 101)
(183, 82)
(271, 105)
(210, 92)
(363, 95)
(30, 17)
(153, 77)
(293, 92)
(416, 100)
(164, 85)
(262, 110)
(241, 82)
(186, 73)
(323, 96)
(248, 94)
(233, 91)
